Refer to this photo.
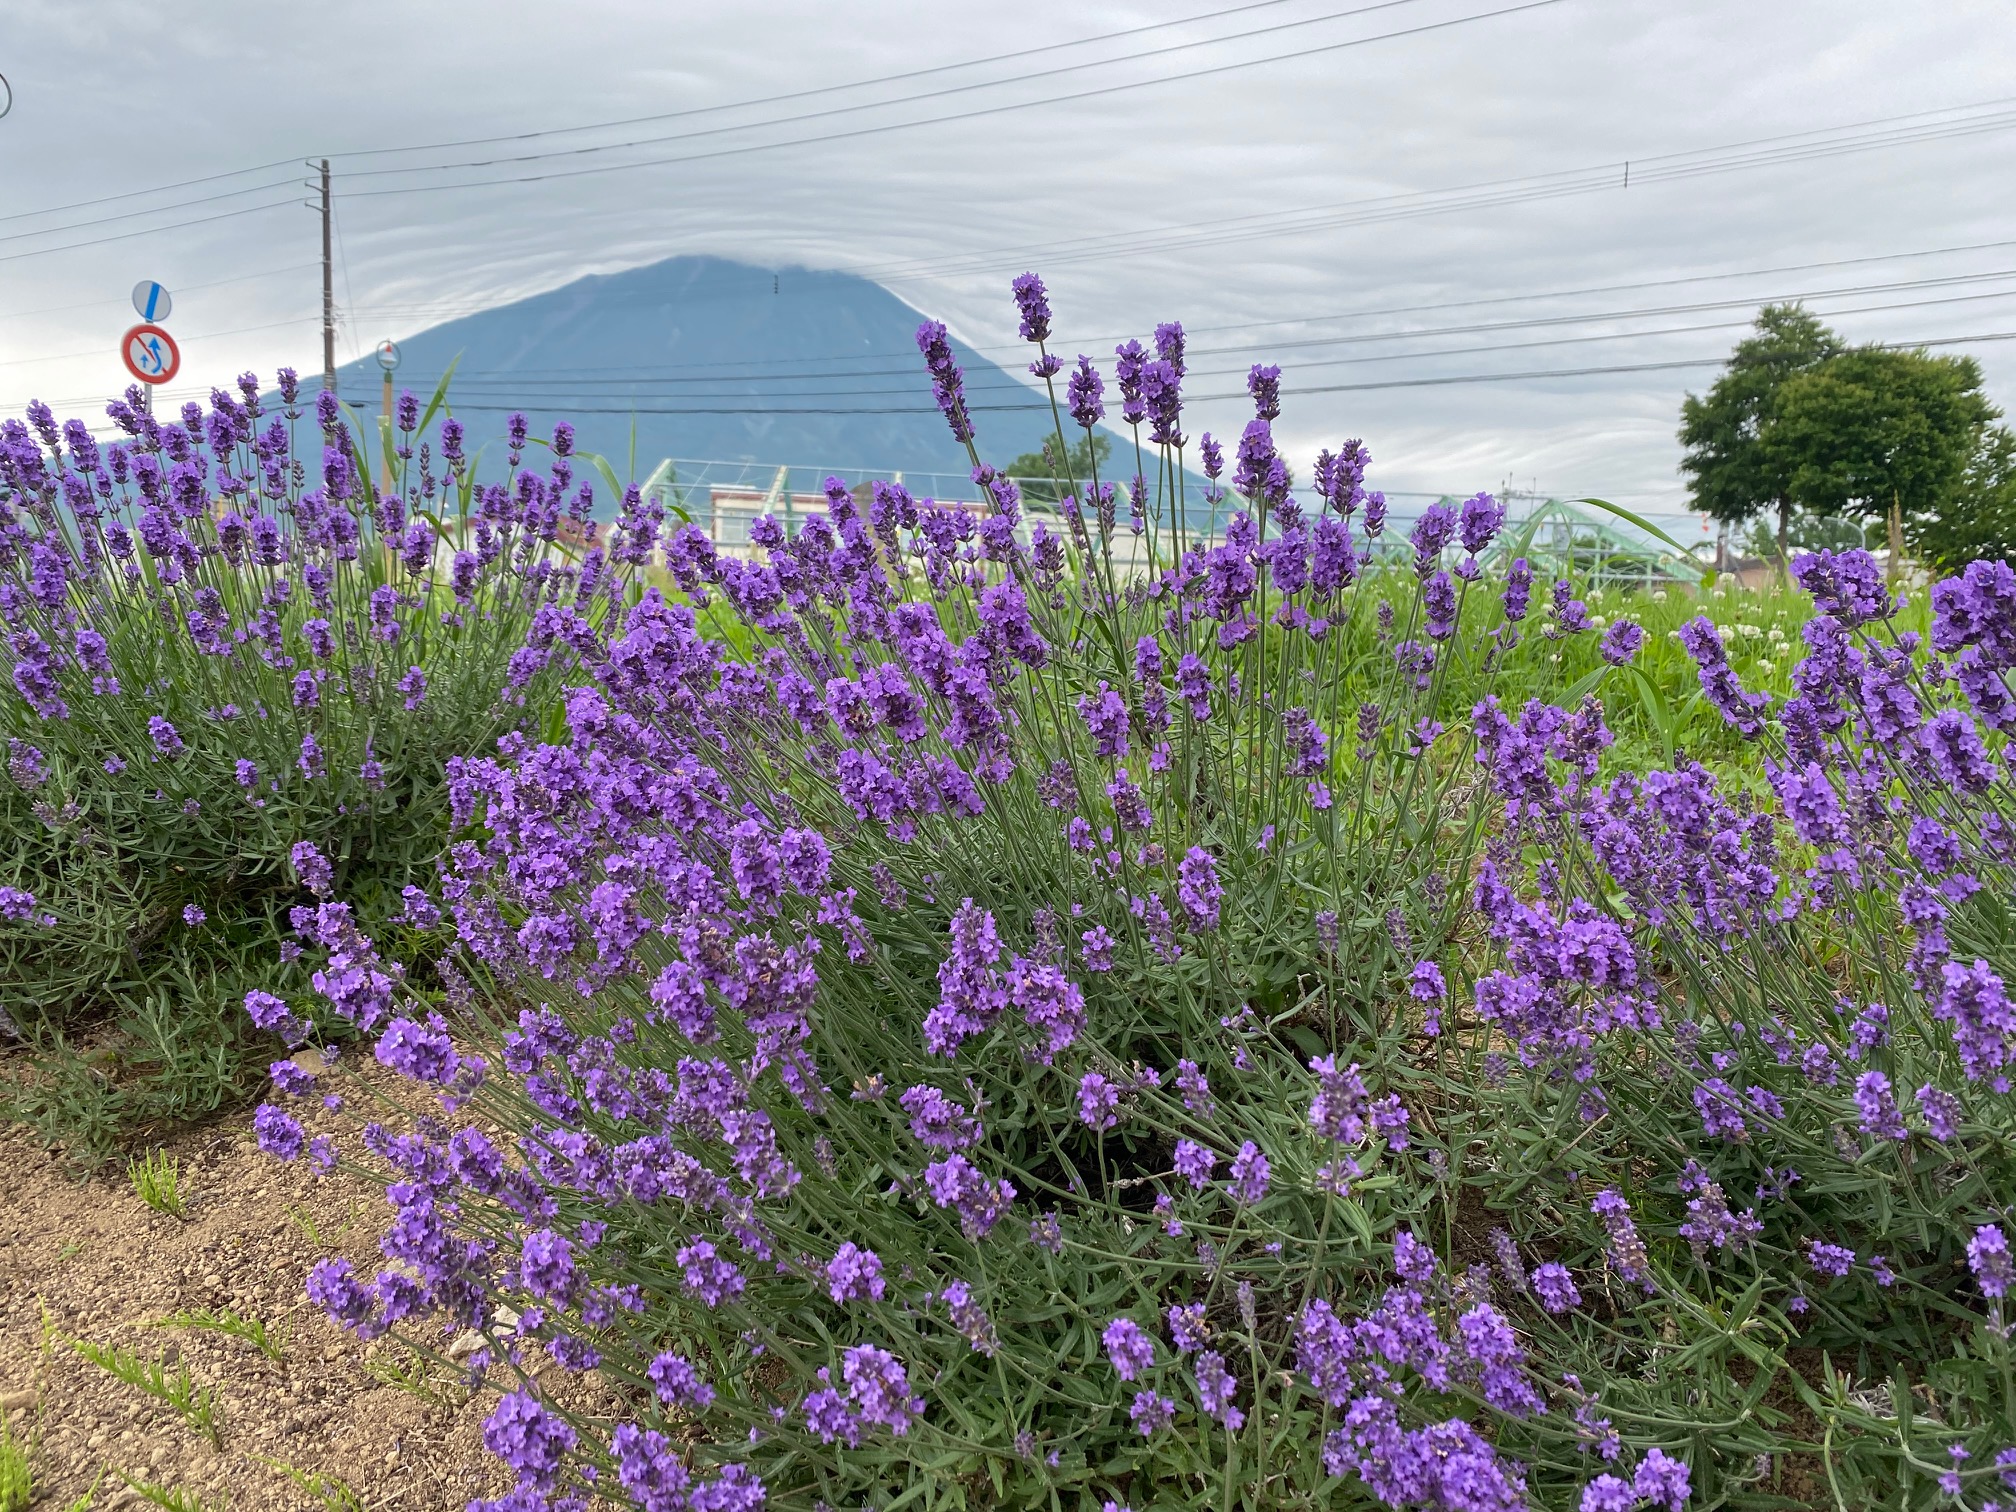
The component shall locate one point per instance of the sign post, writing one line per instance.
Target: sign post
(149, 352)
(388, 359)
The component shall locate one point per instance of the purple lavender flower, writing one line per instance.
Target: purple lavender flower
(167, 741)
(947, 382)
(1662, 1480)
(677, 1384)
(1194, 1163)
(1988, 1257)
(1555, 1287)
(1941, 1111)
(1829, 1259)
(1031, 300)
(1438, 606)
(1518, 589)
(546, 1267)
(1264, 384)
(878, 1387)
(1848, 586)
(1097, 1100)
(1199, 889)
(1247, 1183)
(529, 1437)
(1342, 1104)
(1739, 708)
(1481, 518)
(1627, 1251)
(1878, 1107)
(1151, 1413)
(1128, 360)
(1431, 533)
(1216, 1387)
(955, 1183)
(279, 1134)
(1131, 1351)
(708, 1276)
(855, 1274)
(1085, 394)
(1621, 642)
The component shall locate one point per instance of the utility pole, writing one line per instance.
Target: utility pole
(328, 291)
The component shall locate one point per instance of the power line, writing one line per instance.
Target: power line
(862, 131)
(954, 89)
(826, 89)
(108, 199)
(106, 220)
(100, 241)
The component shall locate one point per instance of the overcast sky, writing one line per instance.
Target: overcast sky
(1284, 211)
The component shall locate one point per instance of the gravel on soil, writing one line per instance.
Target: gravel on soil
(87, 1259)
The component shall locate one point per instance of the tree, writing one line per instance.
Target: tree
(1733, 474)
(1879, 433)
(1805, 531)
(1036, 470)
(1979, 519)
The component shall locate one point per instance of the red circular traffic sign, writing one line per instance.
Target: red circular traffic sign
(151, 354)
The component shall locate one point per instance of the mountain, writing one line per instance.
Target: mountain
(719, 361)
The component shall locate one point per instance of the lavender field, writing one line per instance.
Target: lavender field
(937, 1015)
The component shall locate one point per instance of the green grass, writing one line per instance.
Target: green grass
(409, 1371)
(272, 1342)
(173, 1498)
(17, 1489)
(332, 1491)
(196, 1404)
(157, 1181)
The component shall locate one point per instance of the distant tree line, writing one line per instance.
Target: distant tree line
(1810, 442)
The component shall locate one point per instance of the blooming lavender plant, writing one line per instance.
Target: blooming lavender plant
(225, 639)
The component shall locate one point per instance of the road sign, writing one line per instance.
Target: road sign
(151, 354)
(388, 355)
(151, 301)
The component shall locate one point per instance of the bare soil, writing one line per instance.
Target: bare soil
(87, 1259)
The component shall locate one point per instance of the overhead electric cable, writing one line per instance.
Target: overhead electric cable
(875, 130)
(824, 89)
(832, 111)
(201, 220)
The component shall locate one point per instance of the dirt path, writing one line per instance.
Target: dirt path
(89, 1260)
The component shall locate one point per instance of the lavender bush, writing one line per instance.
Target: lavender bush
(989, 1032)
(223, 641)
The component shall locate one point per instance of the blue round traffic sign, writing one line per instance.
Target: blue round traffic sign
(151, 301)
